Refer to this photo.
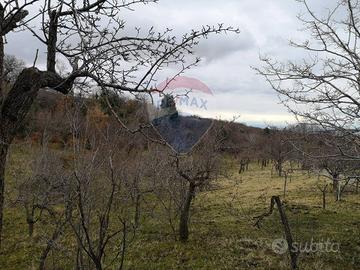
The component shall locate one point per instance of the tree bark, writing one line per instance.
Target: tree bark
(185, 213)
(336, 188)
(288, 235)
(49, 245)
(279, 167)
(3, 155)
(2, 53)
(289, 239)
(338, 192)
(14, 109)
(98, 265)
(1, 67)
(137, 211)
(285, 183)
(30, 223)
(52, 39)
(60, 228)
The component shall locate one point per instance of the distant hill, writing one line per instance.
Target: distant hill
(50, 110)
(182, 132)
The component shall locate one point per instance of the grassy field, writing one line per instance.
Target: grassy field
(222, 231)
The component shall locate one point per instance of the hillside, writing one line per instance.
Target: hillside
(222, 224)
(51, 112)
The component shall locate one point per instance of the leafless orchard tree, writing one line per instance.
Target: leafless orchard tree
(177, 178)
(337, 170)
(275, 200)
(90, 195)
(334, 170)
(324, 88)
(57, 215)
(318, 149)
(322, 188)
(279, 149)
(198, 170)
(47, 196)
(38, 192)
(102, 205)
(107, 181)
(168, 187)
(91, 36)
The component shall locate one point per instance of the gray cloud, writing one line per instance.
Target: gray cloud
(266, 27)
(218, 46)
(24, 46)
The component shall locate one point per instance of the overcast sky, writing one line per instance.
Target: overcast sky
(266, 27)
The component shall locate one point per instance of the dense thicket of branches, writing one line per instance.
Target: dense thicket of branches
(91, 36)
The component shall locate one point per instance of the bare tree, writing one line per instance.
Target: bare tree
(198, 170)
(89, 34)
(323, 189)
(105, 217)
(47, 197)
(108, 184)
(337, 170)
(39, 192)
(279, 149)
(275, 200)
(59, 216)
(323, 89)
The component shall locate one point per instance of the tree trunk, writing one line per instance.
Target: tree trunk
(52, 39)
(324, 198)
(137, 211)
(30, 227)
(338, 192)
(2, 54)
(3, 154)
(185, 213)
(1, 66)
(263, 163)
(336, 188)
(279, 168)
(242, 168)
(288, 235)
(289, 239)
(285, 183)
(98, 265)
(56, 234)
(79, 259)
(123, 248)
(14, 109)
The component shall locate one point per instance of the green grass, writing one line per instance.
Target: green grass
(222, 232)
